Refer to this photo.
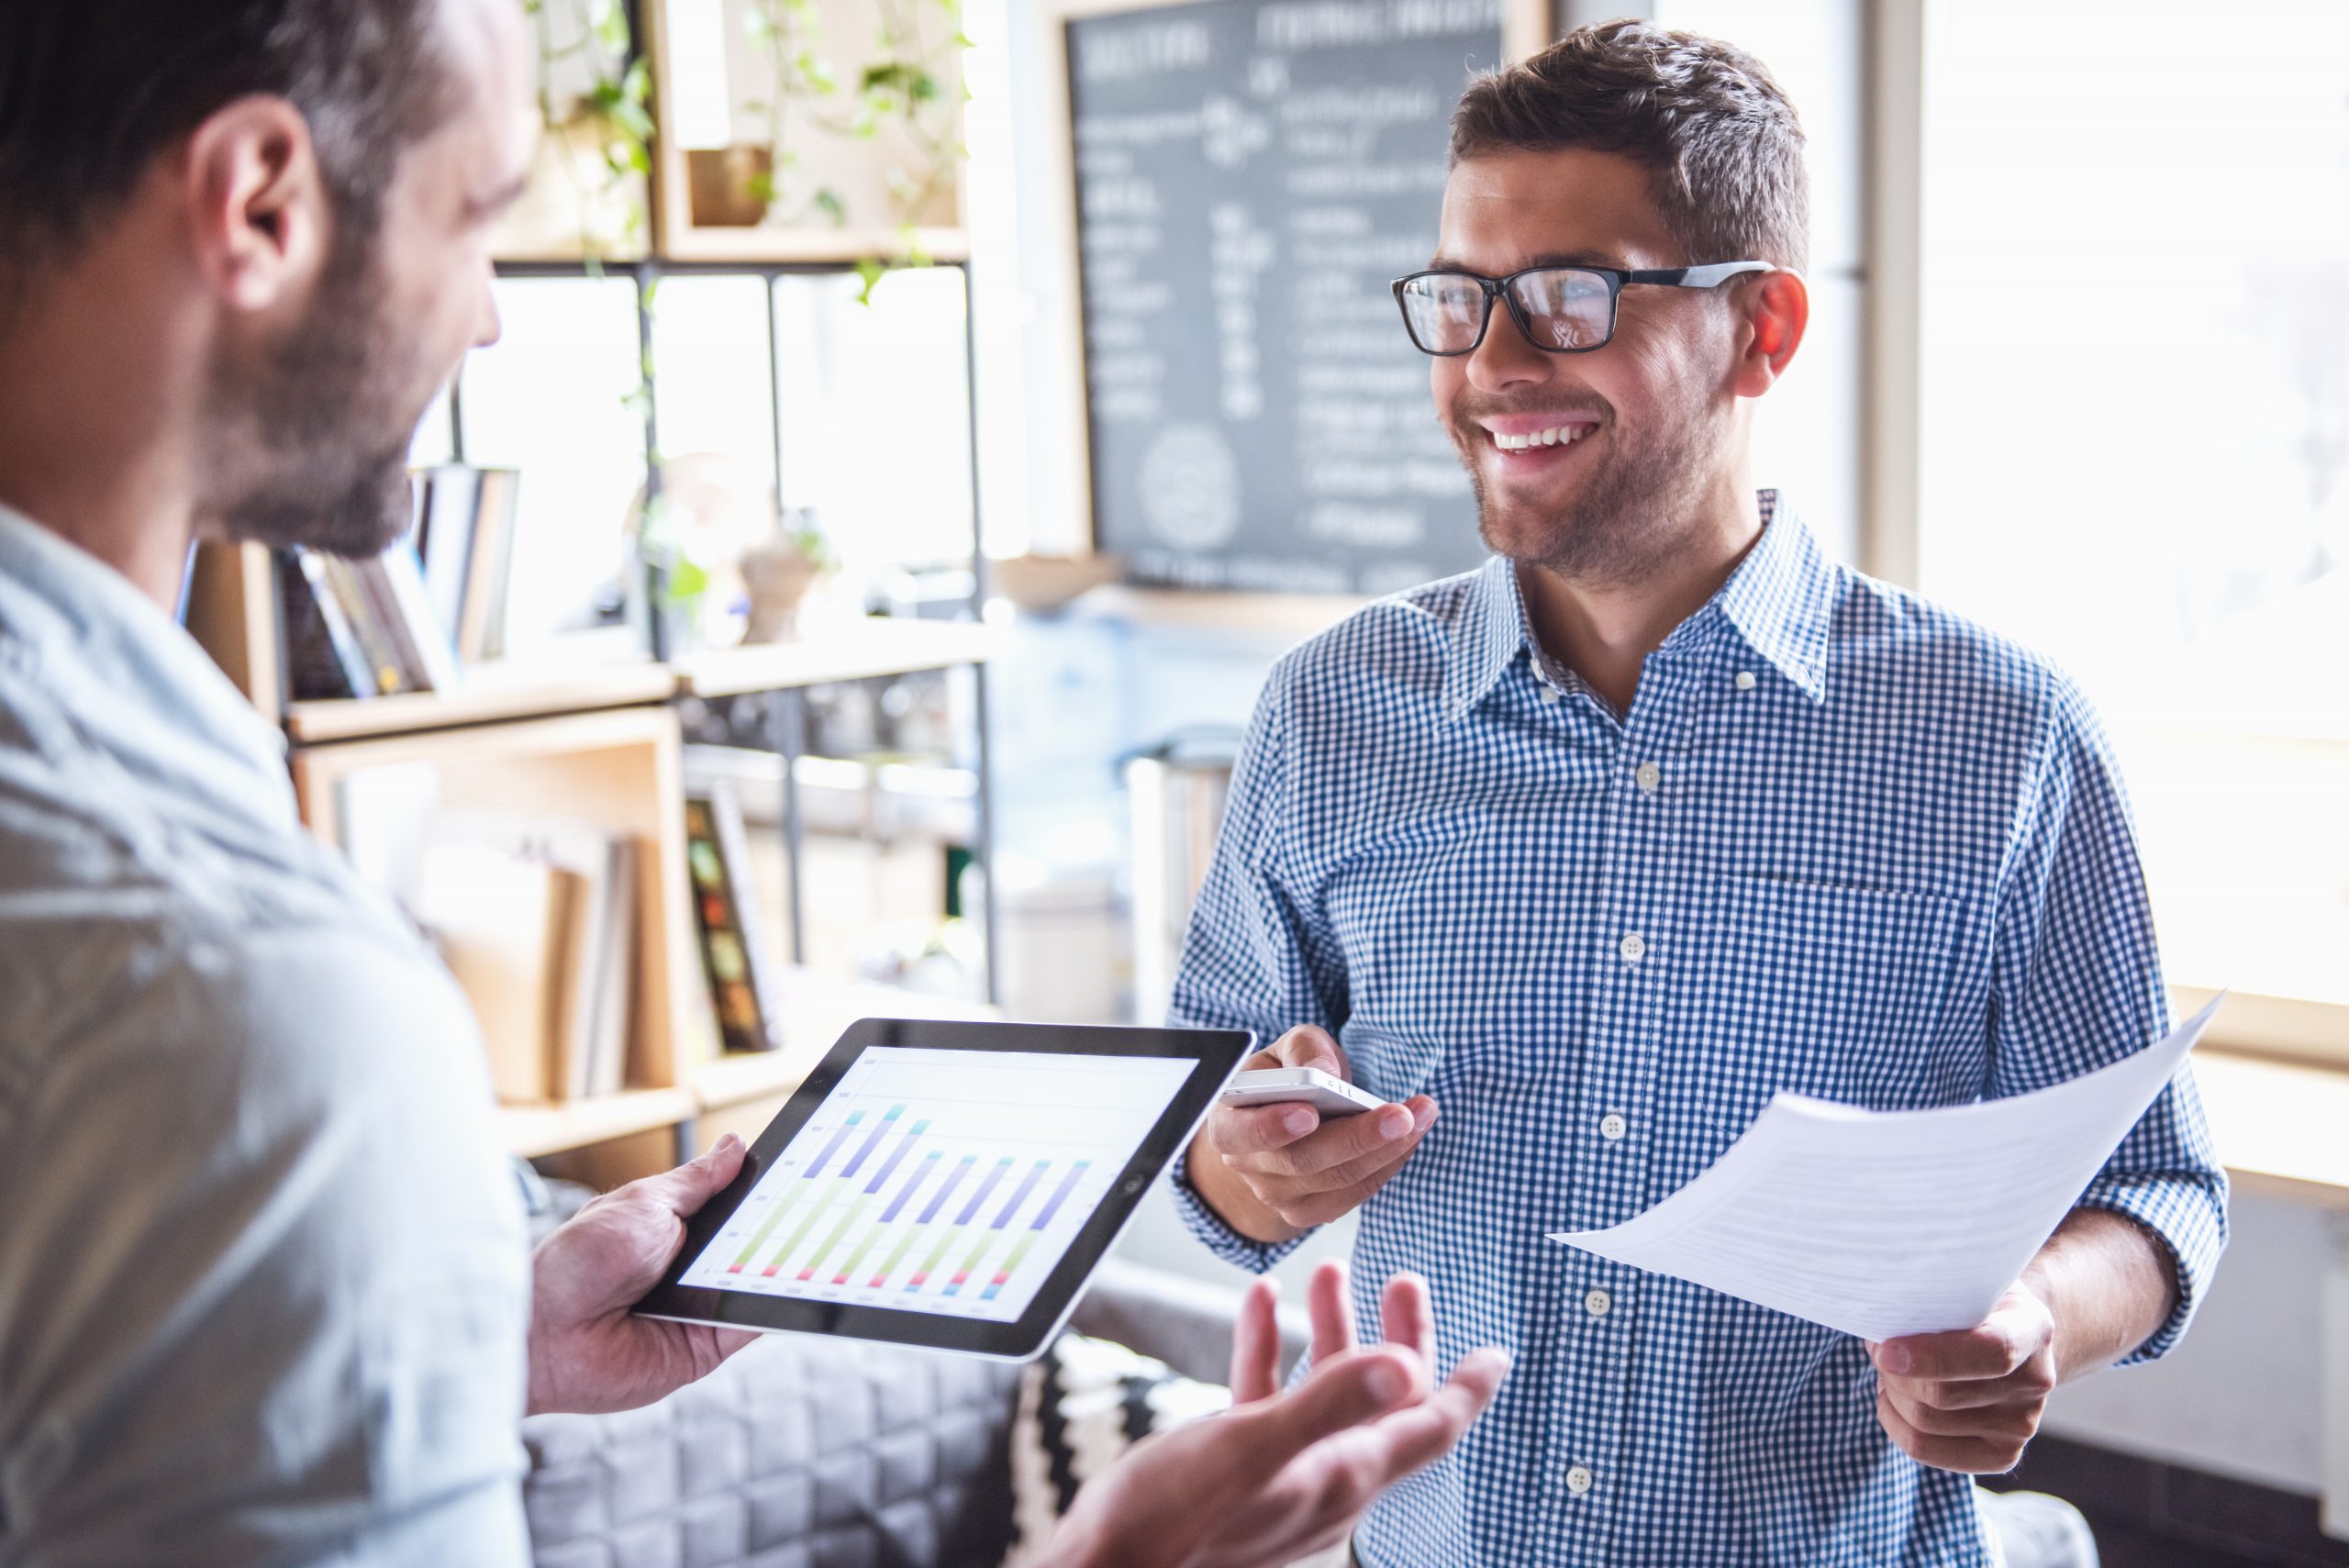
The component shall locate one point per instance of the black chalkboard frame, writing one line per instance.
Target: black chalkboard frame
(1527, 26)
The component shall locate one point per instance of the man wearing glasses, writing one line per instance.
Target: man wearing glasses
(1660, 812)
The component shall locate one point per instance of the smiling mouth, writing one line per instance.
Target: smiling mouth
(1555, 436)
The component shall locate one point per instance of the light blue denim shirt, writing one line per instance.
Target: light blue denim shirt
(263, 1289)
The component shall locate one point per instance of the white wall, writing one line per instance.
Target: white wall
(2242, 1397)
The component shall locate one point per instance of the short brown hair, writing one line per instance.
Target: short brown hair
(1721, 142)
(92, 91)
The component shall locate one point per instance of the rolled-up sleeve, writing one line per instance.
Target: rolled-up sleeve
(264, 1290)
(2078, 986)
(1253, 957)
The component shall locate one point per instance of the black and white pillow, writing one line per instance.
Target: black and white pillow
(1082, 1404)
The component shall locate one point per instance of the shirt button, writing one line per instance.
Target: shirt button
(1579, 1480)
(1552, 694)
(1648, 776)
(1744, 682)
(1633, 948)
(1612, 1126)
(1597, 1303)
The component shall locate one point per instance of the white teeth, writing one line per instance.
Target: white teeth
(1556, 435)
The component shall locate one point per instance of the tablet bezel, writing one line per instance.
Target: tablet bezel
(1215, 1055)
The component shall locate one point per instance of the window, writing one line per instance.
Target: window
(2135, 412)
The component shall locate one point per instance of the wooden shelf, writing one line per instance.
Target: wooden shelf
(855, 651)
(809, 247)
(491, 693)
(813, 1013)
(2278, 1125)
(532, 1131)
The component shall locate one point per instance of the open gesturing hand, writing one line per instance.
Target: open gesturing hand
(1285, 1475)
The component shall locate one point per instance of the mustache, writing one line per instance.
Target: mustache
(1468, 410)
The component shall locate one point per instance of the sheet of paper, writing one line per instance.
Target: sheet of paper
(1885, 1223)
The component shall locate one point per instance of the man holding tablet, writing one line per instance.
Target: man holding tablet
(1660, 813)
(263, 1298)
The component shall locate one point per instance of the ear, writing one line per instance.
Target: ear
(1776, 306)
(258, 208)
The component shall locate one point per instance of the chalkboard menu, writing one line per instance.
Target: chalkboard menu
(1250, 176)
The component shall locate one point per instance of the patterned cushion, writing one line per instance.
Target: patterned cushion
(1082, 1405)
(798, 1454)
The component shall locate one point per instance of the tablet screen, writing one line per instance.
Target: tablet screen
(945, 1182)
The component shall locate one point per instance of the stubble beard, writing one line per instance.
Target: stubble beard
(1630, 511)
(309, 438)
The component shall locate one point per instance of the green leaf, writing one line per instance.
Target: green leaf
(760, 188)
(687, 583)
(871, 270)
(829, 200)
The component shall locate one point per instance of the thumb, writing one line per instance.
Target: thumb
(1308, 1045)
(683, 1190)
(1347, 1391)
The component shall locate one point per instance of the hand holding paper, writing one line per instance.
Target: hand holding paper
(1883, 1224)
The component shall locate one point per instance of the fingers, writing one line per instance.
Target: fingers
(1332, 1312)
(1310, 1046)
(1427, 1431)
(1406, 1316)
(2018, 1328)
(1294, 1141)
(1355, 1388)
(2016, 1420)
(1256, 1344)
(1965, 1455)
(683, 1190)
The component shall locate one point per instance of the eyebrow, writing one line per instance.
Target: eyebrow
(1442, 263)
(498, 200)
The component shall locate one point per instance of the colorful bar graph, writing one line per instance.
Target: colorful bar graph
(873, 1140)
(838, 1139)
(954, 1286)
(897, 1154)
(1060, 1194)
(921, 1274)
(1019, 1193)
(829, 1242)
(848, 1264)
(1004, 1270)
(758, 1237)
(985, 1187)
(921, 1171)
(798, 1234)
(953, 1180)
(897, 1255)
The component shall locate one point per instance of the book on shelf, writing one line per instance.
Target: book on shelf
(744, 987)
(536, 918)
(466, 537)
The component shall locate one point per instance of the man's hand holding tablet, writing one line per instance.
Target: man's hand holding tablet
(1285, 1475)
(1275, 1172)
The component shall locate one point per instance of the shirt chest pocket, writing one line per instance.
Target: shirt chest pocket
(1841, 993)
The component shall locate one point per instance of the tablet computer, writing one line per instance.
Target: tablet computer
(947, 1184)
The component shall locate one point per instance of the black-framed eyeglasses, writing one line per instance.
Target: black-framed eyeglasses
(1561, 310)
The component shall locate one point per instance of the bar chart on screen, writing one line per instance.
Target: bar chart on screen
(941, 1181)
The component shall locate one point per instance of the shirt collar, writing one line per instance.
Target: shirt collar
(1779, 600)
(132, 680)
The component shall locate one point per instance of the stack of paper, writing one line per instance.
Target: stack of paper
(1886, 1223)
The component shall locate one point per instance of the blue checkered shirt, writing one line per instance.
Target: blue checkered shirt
(1844, 843)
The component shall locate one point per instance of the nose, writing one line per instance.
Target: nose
(487, 326)
(1505, 359)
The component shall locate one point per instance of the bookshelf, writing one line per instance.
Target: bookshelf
(600, 742)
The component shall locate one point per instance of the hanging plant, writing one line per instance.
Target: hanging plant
(595, 95)
(909, 85)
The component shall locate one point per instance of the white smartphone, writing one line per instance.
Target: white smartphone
(1325, 1091)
